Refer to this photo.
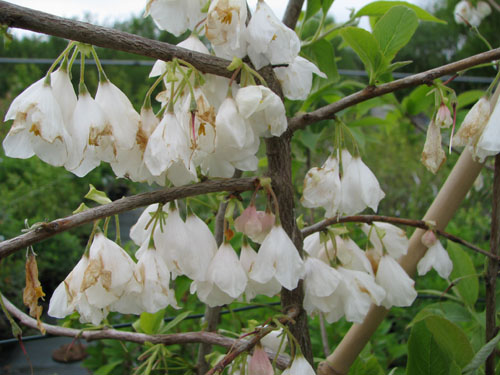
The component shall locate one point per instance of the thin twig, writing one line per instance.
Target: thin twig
(46, 230)
(139, 338)
(398, 221)
(492, 270)
(247, 345)
(301, 120)
(292, 13)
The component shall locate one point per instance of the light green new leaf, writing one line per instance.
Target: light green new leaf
(425, 357)
(151, 323)
(179, 318)
(379, 8)
(463, 270)
(481, 356)
(367, 48)
(395, 29)
(451, 339)
(469, 97)
(326, 4)
(107, 368)
(97, 195)
(324, 55)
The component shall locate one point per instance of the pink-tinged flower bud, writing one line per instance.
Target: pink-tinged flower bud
(259, 363)
(443, 116)
(429, 238)
(255, 224)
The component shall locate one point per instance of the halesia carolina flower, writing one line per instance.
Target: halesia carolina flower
(38, 127)
(443, 116)
(225, 27)
(138, 232)
(247, 259)
(387, 236)
(436, 257)
(255, 224)
(351, 256)
(473, 124)
(463, 11)
(359, 186)
(226, 278)
(483, 8)
(489, 142)
(278, 258)
(322, 187)
(299, 366)
(64, 93)
(399, 287)
(263, 109)
(175, 16)
(120, 114)
(320, 283)
(433, 155)
(296, 78)
(259, 363)
(269, 40)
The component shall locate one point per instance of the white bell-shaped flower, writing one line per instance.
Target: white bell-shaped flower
(263, 109)
(473, 124)
(299, 366)
(38, 127)
(489, 142)
(322, 187)
(64, 93)
(226, 278)
(320, 282)
(120, 114)
(278, 258)
(387, 236)
(269, 40)
(435, 257)
(175, 16)
(296, 78)
(399, 287)
(247, 259)
(139, 233)
(359, 186)
(351, 256)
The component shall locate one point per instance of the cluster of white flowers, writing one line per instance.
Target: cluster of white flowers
(343, 280)
(357, 189)
(465, 12)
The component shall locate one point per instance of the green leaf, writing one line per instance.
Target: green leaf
(467, 286)
(313, 6)
(379, 8)
(151, 323)
(425, 357)
(326, 4)
(179, 318)
(451, 339)
(367, 48)
(324, 55)
(469, 97)
(97, 195)
(395, 29)
(418, 101)
(398, 65)
(481, 356)
(106, 369)
(369, 121)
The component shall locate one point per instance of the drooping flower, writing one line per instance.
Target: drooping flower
(359, 186)
(435, 257)
(443, 116)
(433, 155)
(489, 142)
(299, 366)
(322, 187)
(320, 283)
(473, 124)
(175, 16)
(263, 109)
(399, 287)
(269, 40)
(387, 236)
(296, 78)
(255, 224)
(259, 363)
(38, 127)
(226, 278)
(278, 258)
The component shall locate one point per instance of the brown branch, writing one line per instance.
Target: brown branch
(292, 13)
(492, 270)
(369, 219)
(247, 345)
(301, 120)
(29, 19)
(46, 230)
(211, 338)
